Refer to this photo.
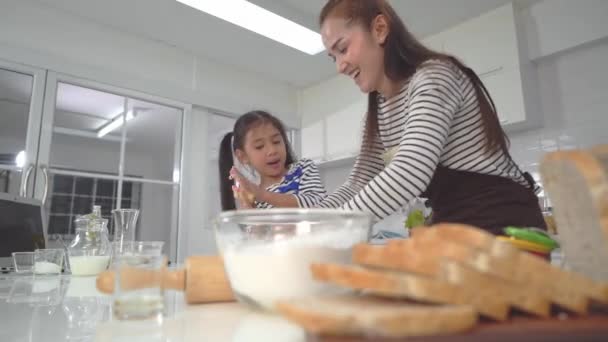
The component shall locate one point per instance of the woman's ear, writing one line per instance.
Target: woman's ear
(380, 29)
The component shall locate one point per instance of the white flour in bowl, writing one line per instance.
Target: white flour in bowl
(276, 270)
(45, 267)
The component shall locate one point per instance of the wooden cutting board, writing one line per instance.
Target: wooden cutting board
(520, 328)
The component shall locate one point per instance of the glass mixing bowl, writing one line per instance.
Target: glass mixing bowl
(267, 253)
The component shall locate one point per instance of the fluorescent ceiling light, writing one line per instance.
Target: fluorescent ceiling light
(259, 20)
(114, 124)
(20, 159)
(85, 134)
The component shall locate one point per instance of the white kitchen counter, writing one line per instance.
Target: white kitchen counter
(66, 308)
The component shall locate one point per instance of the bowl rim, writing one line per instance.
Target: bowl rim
(336, 213)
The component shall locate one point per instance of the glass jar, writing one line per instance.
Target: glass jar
(90, 251)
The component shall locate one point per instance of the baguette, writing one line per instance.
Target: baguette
(376, 317)
(411, 286)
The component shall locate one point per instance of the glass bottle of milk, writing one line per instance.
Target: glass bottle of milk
(90, 251)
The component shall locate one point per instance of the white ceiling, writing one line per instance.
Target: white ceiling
(204, 35)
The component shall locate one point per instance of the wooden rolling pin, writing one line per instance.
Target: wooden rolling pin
(203, 280)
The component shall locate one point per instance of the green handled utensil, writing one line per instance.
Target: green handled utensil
(532, 235)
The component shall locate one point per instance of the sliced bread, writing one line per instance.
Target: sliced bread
(577, 183)
(435, 253)
(567, 289)
(411, 286)
(388, 283)
(519, 297)
(376, 317)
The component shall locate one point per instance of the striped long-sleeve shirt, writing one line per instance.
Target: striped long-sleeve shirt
(301, 180)
(434, 120)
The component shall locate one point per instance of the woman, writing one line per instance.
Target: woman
(258, 143)
(433, 116)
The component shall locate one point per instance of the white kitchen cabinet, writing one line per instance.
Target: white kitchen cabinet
(343, 130)
(486, 42)
(504, 86)
(435, 42)
(313, 141)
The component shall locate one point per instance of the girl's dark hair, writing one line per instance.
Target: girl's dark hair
(236, 140)
(403, 55)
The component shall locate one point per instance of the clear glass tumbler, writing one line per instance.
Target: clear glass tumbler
(138, 293)
(49, 261)
(23, 262)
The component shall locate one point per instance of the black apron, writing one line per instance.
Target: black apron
(485, 201)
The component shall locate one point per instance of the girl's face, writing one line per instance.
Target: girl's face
(264, 150)
(357, 52)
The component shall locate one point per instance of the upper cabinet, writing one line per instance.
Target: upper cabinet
(343, 131)
(489, 45)
(332, 115)
(504, 86)
(485, 43)
(313, 145)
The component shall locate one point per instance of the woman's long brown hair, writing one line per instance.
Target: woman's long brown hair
(403, 54)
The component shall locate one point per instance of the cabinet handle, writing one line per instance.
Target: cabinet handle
(45, 174)
(490, 72)
(23, 190)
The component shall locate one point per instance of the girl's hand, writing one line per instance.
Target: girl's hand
(247, 191)
(246, 185)
(245, 200)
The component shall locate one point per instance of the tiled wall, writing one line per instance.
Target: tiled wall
(574, 104)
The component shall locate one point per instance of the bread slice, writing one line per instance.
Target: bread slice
(433, 254)
(411, 286)
(524, 299)
(376, 317)
(403, 256)
(469, 236)
(567, 289)
(564, 280)
(389, 284)
(577, 182)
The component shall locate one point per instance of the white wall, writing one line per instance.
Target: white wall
(198, 236)
(35, 34)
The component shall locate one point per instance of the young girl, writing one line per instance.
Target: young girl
(259, 143)
(433, 116)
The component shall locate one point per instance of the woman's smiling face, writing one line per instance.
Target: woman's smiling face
(357, 51)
